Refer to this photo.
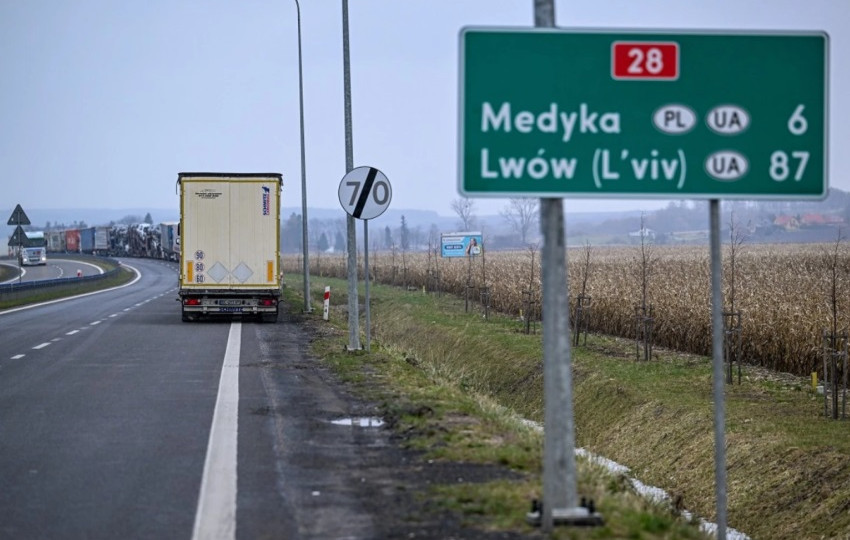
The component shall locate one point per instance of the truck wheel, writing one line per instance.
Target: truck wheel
(269, 317)
(185, 316)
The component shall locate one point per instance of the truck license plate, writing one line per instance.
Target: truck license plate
(230, 302)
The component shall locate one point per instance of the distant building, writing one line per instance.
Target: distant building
(645, 232)
(789, 223)
(812, 220)
(820, 220)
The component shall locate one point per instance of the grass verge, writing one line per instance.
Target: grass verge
(457, 388)
(787, 465)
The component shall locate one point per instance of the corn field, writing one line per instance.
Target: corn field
(783, 291)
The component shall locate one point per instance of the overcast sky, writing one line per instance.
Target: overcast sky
(102, 103)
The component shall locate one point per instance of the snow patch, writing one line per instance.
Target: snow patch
(654, 494)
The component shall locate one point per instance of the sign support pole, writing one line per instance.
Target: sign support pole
(351, 229)
(718, 376)
(559, 462)
(20, 261)
(366, 301)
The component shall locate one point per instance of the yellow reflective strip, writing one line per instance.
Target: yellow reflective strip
(190, 277)
(270, 271)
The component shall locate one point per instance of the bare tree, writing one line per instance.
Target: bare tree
(646, 259)
(465, 210)
(644, 312)
(832, 258)
(736, 240)
(835, 353)
(731, 317)
(581, 319)
(522, 214)
(587, 251)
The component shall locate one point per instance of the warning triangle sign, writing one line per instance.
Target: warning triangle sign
(18, 217)
(19, 237)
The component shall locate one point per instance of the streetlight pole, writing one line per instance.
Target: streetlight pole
(307, 306)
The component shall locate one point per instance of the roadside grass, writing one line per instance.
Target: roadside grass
(7, 273)
(788, 467)
(459, 389)
(73, 288)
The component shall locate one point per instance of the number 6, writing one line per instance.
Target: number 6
(797, 123)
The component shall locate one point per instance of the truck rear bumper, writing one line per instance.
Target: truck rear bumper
(244, 302)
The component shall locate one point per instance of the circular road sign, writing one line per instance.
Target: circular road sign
(365, 192)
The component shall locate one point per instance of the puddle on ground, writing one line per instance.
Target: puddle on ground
(364, 421)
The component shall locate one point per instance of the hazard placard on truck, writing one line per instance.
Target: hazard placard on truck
(229, 244)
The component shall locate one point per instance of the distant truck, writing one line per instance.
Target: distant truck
(33, 256)
(72, 240)
(229, 244)
(94, 240)
(169, 240)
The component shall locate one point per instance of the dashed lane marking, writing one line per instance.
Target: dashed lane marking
(78, 330)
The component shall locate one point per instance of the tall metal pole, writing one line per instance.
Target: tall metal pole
(718, 375)
(559, 462)
(304, 246)
(353, 307)
(366, 302)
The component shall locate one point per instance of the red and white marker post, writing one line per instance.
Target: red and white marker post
(327, 303)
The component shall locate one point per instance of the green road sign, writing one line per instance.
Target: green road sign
(551, 113)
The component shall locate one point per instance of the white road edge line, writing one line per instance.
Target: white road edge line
(43, 345)
(215, 518)
(71, 333)
(17, 357)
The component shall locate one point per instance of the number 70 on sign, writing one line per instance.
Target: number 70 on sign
(365, 192)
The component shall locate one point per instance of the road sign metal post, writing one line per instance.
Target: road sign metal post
(367, 302)
(717, 362)
(560, 491)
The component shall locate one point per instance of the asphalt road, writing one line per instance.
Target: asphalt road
(107, 408)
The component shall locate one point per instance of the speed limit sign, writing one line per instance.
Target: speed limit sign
(365, 192)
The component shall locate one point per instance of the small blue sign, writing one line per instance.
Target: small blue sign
(461, 244)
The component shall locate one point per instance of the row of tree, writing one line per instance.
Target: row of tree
(329, 235)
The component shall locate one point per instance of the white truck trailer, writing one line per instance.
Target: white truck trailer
(229, 244)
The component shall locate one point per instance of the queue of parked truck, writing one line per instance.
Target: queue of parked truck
(160, 241)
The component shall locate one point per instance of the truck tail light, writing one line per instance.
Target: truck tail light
(191, 301)
(268, 302)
